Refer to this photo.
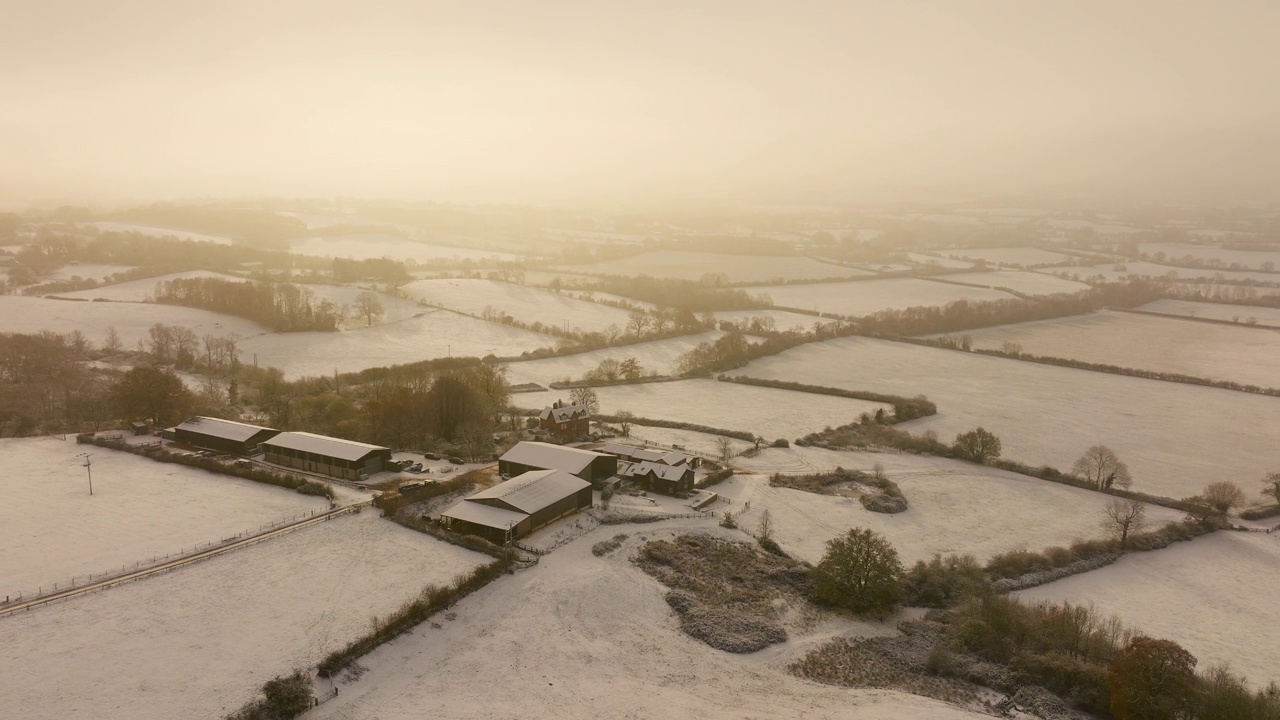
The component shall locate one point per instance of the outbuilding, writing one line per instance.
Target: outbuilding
(592, 467)
(227, 436)
(520, 506)
(662, 478)
(335, 457)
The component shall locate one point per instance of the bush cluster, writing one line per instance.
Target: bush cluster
(1019, 563)
(715, 478)
(283, 698)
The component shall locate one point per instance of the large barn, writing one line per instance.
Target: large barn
(513, 509)
(593, 467)
(226, 436)
(345, 459)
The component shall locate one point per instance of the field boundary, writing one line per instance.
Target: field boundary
(1212, 321)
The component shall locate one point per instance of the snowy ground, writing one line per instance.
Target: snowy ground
(1218, 352)
(738, 268)
(1025, 256)
(430, 333)
(946, 262)
(1247, 259)
(955, 507)
(659, 356)
(86, 271)
(125, 227)
(868, 296)
(51, 529)
(139, 290)
(365, 247)
(782, 320)
(1028, 283)
(768, 412)
(1175, 438)
(1108, 271)
(585, 637)
(199, 642)
(1215, 596)
(524, 303)
(20, 314)
(1264, 316)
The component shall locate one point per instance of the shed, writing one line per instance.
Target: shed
(220, 435)
(335, 457)
(513, 509)
(585, 464)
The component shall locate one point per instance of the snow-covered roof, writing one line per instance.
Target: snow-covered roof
(323, 445)
(486, 515)
(666, 472)
(564, 413)
(675, 457)
(547, 456)
(219, 428)
(534, 490)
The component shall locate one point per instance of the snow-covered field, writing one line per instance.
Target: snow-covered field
(1269, 317)
(1025, 256)
(738, 268)
(767, 412)
(955, 507)
(125, 227)
(1215, 596)
(20, 314)
(1175, 438)
(1109, 271)
(199, 642)
(868, 296)
(365, 247)
(782, 320)
(1028, 283)
(586, 637)
(1217, 352)
(139, 290)
(52, 530)
(86, 271)
(1246, 259)
(660, 356)
(394, 308)
(524, 303)
(430, 333)
(946, 262)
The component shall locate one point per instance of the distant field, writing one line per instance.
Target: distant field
(766, 412)
(20, 314)
(660, 356)
(782, 320)
(1265, 316)
(865, 297)
(1247, 259)
(1217, 352)
(1155, 270)
(428, 334)
(86, 271)
(200, 642)
(524, 303)
(1028, 283)
(364, 247)
(51, 529)
(153, 231)
(1025, 256)
(946, 262)
(138, 290)
(1215, 596)
(738, 268)
(1175, 438)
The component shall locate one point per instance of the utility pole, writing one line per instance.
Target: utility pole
(88, 468)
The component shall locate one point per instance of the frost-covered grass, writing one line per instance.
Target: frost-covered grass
(1265, 316)
(1171, 345)
(660, 356)
(524, 303)
(429, 333)
(1025, 256)
(161, 232)
(365, 247)
(955, 507)
(1246, 259)
(1216, 596)
(869, 296)
(1175, 438)
(139, 290)
(1028, 283)
(738, 268)
(20, 314)
(52, 530)
(199, 642)
(767, 412)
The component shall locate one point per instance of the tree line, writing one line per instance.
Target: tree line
(280, 306)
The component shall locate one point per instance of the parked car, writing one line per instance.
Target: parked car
(414, 468)
(431, 456)
(455, 461)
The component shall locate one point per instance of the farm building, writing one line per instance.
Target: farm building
(226, 436)
(565, 421)
(345, 459)
(515, 508)
(659, 477)
(593, 467)
(630, 453)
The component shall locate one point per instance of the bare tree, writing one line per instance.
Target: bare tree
(112, 343)
(724, 449)
(585, 397)
(624, 422)
(369, 307)
(1102, 468)
(764, 531)
(1271, 486)
(1222, 496)
(1123, 518)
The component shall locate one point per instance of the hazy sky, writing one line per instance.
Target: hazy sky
(550, 100)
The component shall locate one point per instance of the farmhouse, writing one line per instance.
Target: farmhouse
(226, 436)
(565, 421)
(660, 477)
(593, 467)
(515, 508)
(345, 459)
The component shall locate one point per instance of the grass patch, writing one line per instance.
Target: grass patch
(605, 547)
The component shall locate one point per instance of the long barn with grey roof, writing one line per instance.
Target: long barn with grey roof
(345, 459)
(226, 436)
(513, 509)
(591, 466)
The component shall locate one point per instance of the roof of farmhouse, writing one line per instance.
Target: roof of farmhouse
(225, 429)
(561, 412)
(666, 472)
(545, 455)
(323, 445)
(487, 515)
(534, 490)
